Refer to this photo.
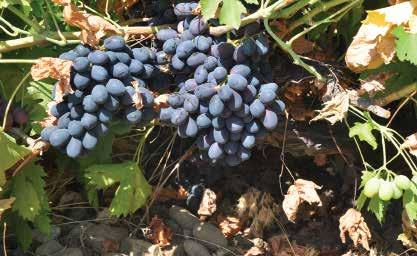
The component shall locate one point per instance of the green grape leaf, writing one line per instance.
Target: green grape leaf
(410, 204)
(377, 207)
(28, 188)
(366, 175)
(360, 202)
(405, 45)
(252, 2)
(133, 189)
(101, 153)
(209, 8)
(11, 153)
(364, 133)
(21, 229)
(43, 223)
(230, 14)
(38, 95)
(24, 3)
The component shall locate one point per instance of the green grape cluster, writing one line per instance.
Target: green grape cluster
(388, 189)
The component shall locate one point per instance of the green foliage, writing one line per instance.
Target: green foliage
(38, 95)
(21, 229)
(230, 12)
(378, 207)
(410, 204)
(28, 188)
(405, 45)
(133, 189)
(10, 154)
(364, 133)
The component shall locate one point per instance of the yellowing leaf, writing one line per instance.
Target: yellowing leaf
(373, 45)
(209, 8)
(406, 45)
(6, 204)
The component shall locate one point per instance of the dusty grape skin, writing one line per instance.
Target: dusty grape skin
(47, 131)
(147, 97)
(81, 64)
(248, 140)
(75, 128)
(114, 43)
(216, 105)
(120, 70)
(81, 80)
(205, 91)
(270, 86)
(210, 63)
(215, 151)
(225, 50)
(225, 93)
(267, 96)
(202, 43)
(175, 100)
(203, 142)
(99, 94)
(185, 49)
(141, 54)
(112, 103)
(235, 102)
(59, 109)
(165, 34)
(133, 115)
(231, 147)
(89, 104)
(98, 57)
(115, 87)
(253, 126)
(198, 26)
(237, 82)
(63, 121)
(74, 148)
(165, 114)
(191, 103)
(82, 50)
(234, 124)
(249, 94)
(196, 59)
(76, 112)
(270, 119)
(188, 128)
(89, 121)
(218, 123)
(257, 108)
(99, 73)
(200, 75)
(221, 136)
(241, 69)
(59, 137)
(203, 121)
(89, 140)
(104, 115)
(179, 116)
(170, 45)
(244, 154)
(177, 63)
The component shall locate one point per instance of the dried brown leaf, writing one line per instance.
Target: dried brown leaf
(302, 46)
(229, 225)
(254, 251)
(301, 191)
(353, 223)
(410, 143)
(93, 27)
(208, 203)
(334, 110)
(159, 233)
(55, 68)
(161, 101)
(373, 44)
(280, 246)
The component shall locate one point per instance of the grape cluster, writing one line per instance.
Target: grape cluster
(104, 83)
(223, 99)
(388, 189)
(16, 116)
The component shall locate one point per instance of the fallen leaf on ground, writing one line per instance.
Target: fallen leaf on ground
(6, 204)
(158, 232)
(334, 110)
(353, 223)
(166, 194)
(374, 83)
(410, 143)
(254, 251)
(208, 203)
(260, 247)
(54, 68)
(280, 246)
(229, 225)
(374, 44)
(260, 208)
(93, 27)
(301, 191)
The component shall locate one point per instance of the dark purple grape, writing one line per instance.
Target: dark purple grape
(74, 148)
(185, 49)
(112, 103)
(47, 131)
(99, 94)
(196, 59)
(170, 45)
(99, 73)
(200, 75)
(216, 105)
(235, 102)
(165, 34)
(120, 70)
(241, 69)
(114, 43)
(203, 121)
(59, 137)
(98, 57)
(218, 123)
(220, 73)
(75, 128)
(270, 119)
(179, 116)
(257, 108)
(205, 91)
(215, 151)
(177, 63)
(162, 58)
(89, 104)
(191, 103)
(89, 140)
(81, 64)
(231, 147)
(136, 67)
(81, 81)
(248, 140)
(234, 124)
(175, 100)
(82, 50)
(188, 128)
(165, 114)
(202, 43)
(198, 26)
(237, 82)
(210, 63)
(133, 115)
(239, 55)
(115, 87)
(63, 121)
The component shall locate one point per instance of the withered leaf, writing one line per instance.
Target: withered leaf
(410, 143)
(93, 27)
(353, 223)
(165, 194)
(229, 225)
(373, 44)
(301, 191)
(335, 109)
(159, 233)
(54, 68)
(6, 204)
(208, 203)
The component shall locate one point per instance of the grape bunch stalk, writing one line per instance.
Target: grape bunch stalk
(222, 91)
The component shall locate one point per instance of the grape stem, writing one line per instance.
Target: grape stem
(287, 47)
